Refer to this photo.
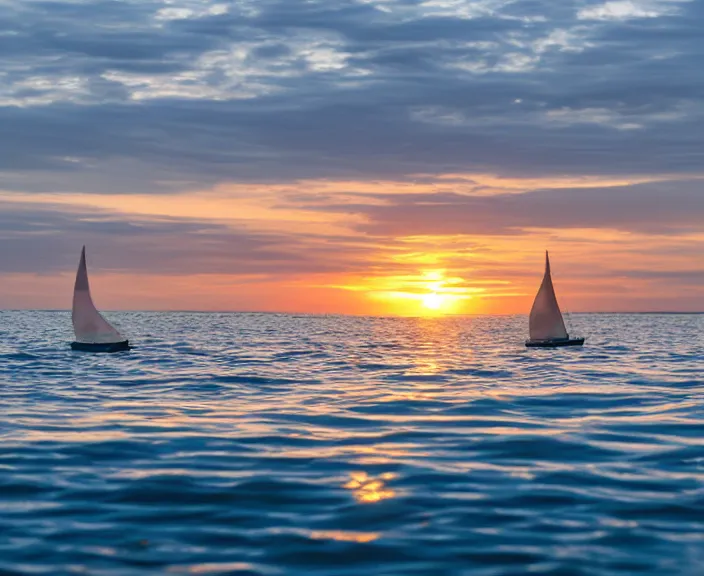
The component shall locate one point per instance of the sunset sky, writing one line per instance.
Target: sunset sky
(352, 156)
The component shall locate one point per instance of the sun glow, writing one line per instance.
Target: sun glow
(433, 301)
(439, 294)
(427, 293)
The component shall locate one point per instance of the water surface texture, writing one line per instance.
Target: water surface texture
(263, 444)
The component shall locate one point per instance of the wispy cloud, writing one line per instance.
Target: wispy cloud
(46, 238)
(657, 208)
(621, 10)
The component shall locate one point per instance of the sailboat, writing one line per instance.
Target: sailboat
(93, 332)
(545, 325)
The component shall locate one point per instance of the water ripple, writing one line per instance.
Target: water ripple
(265, 444)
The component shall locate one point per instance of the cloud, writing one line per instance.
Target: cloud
(141, 96)
(46, 239)
(651, 208)
(629, 9)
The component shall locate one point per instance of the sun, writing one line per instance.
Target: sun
(424, 293)
(433, 301)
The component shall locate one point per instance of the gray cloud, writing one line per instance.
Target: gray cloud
(123, 96)
(46, 239)
(653, 208)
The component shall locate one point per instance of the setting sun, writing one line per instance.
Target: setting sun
(427, 292)
(433, 301)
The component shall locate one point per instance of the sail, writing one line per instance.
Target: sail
(88, 325)
(546, 321)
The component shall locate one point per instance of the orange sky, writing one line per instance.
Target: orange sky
(343, 267)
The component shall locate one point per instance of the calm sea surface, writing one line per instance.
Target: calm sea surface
(262, 444)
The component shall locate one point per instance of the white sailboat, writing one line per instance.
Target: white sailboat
(93, 332)
(545, 326)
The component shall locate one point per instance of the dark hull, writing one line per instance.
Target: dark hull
(554, 343)
(104, 348)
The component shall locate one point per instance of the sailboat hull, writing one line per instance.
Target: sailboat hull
(559, 343)
(107, 347)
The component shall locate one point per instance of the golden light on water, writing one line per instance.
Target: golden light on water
(344, 536)
(367, 489)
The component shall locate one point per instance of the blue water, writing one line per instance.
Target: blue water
(261, 444)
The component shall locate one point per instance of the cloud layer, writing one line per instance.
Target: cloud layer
(191, 91)
(47, 238)
(658, 208)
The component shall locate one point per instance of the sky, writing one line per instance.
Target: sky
(411, 157)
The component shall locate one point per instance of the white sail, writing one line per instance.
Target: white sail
(88, 325)
(546, 321)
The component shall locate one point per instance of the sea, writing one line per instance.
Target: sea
(294, 445)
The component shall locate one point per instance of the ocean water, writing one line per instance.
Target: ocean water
(263, 444)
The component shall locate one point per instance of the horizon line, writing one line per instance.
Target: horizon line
(176, 311)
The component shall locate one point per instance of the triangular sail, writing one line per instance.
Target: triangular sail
(546, 321)
(88, 325)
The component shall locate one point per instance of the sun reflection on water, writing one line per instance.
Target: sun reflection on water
(367, 489)
(344, 536)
